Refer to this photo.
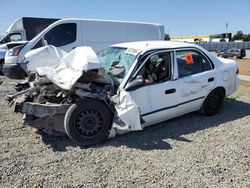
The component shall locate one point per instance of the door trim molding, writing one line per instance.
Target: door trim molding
(174, 106)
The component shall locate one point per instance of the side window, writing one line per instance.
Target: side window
(191, 62)
(157, 68)
(12, 37)
(15, 37)
(61, 35)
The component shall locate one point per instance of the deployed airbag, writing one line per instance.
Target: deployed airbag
(63, 69)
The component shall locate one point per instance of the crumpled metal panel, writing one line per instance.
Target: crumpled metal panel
(63, 69)
(128, 111)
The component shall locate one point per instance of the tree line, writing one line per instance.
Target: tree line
(241, 36)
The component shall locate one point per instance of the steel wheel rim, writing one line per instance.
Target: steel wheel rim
(89, 122)
(213, 101)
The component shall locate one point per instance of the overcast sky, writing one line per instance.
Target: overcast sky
(180, 17)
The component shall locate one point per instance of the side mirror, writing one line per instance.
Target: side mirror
(136, 83)
(44, 42)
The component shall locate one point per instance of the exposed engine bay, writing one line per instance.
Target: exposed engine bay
(72, 97)
(44, 104)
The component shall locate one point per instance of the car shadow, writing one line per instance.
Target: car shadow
(155, 137)
(57, 143)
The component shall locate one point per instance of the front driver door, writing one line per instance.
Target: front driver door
(156, 99)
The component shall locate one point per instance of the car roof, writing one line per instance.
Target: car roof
(149, 45)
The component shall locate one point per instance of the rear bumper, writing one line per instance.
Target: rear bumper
(13, 71)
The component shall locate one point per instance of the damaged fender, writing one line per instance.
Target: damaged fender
(128, 111)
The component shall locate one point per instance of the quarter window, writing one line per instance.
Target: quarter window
(61, 35)
(191, 62)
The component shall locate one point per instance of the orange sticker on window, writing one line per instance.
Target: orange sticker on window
(189, 59)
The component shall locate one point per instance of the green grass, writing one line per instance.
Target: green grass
(235, 96)
(245, 83)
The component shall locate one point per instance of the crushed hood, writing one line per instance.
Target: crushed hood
(62, 68)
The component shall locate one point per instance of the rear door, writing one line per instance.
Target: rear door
(196, 78)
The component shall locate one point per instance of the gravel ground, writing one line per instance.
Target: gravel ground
(189, 151)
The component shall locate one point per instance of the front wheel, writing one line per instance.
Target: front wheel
(212, 103)
(88, 122)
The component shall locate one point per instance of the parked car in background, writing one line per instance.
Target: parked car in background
(3, 50)
(68, 34)
(126, 87)
(233, 53)
(21, 30)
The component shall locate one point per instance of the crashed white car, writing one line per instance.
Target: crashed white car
(128, 87)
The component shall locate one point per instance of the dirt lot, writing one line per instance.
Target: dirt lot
(189, 151)
(244, 66)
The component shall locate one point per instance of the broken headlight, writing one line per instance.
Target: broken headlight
(15, 51)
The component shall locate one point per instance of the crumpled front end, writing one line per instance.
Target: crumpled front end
(69, 82)
(58, 85)
(44, 104)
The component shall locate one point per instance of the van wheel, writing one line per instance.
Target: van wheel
(88, 122)
(212, 103)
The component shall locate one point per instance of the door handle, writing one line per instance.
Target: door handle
(210, 79)
(169, 91)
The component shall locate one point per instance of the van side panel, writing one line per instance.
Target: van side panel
(100, 34)
(140, 32)
(16, 26)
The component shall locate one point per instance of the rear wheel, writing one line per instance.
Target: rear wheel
(212, 103)
(88, 122)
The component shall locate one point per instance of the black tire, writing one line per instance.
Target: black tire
(212, 103)
(1, 68)
(88, 122)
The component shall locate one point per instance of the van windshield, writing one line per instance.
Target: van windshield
(117, 61)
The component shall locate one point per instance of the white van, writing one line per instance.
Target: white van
(68, 34)
(26, 28)
(20, 31)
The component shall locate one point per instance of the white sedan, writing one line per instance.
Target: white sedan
(144, 83)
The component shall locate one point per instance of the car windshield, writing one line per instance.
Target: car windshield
(117, 61)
